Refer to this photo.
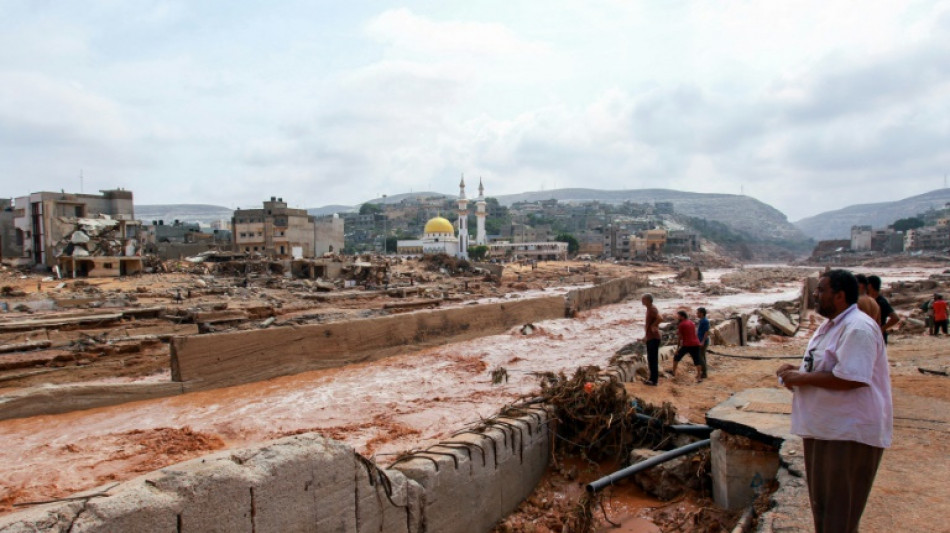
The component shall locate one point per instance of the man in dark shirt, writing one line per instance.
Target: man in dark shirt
(889, 318)
(652, 338)
(702, 331)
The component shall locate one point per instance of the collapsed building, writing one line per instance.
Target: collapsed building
(82, 234)
(99, 247)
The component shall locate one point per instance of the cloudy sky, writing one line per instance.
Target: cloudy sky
(806, 105)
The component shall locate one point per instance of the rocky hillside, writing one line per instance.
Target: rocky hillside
(742, 214)
(169, 213)
(837, 224)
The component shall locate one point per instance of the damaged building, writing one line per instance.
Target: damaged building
(99, 231)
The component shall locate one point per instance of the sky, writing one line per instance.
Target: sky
(807, 105)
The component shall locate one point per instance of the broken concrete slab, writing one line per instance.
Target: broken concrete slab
(779, 320)
(762, 414)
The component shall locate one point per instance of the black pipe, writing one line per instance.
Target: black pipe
(644, 465)
(697, 430)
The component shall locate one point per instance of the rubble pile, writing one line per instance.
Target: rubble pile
(101, 236)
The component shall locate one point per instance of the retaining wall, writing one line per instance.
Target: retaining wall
(219, 360)
(310, 483)
(224, 359)
(612, 292)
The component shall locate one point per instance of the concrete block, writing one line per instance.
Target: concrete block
(497, 469)
(448, 506)
(302, 483)
(740, 469)
(51, 518)
(386, 500)
(216, 493)
(132, 507)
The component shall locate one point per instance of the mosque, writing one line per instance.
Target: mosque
(438, 236)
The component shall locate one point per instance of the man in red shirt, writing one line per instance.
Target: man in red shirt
(688, 344)
(939, 310)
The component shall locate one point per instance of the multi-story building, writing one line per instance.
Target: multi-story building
(276, 231)
(43, 220)
(861, 238)
(328, 232)
(285, 233)
(10, 246)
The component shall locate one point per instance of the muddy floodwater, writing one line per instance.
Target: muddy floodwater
(381, 408)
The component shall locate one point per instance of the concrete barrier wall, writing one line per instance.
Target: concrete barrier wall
(63, 399)
(224, 359)
(480, 477)
(612, 292)
(310, 483)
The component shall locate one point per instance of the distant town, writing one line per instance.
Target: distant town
(99, 234)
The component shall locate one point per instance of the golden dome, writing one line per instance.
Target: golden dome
(439, 225)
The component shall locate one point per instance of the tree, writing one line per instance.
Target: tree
(478, 252)
(572, 245)
(370, 209)
(905, 224)
(390, 244)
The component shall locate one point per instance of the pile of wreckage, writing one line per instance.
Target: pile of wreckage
(103, 236)
(97, 247)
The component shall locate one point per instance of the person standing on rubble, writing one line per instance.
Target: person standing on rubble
(841, 405)
(889, 318)
(688, 344)
(702, 331)
(938, 311)
(865, 302)
(652, 338)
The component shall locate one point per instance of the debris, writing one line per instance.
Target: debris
(778, 320)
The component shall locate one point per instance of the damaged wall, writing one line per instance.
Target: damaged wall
(612, 292)
(224, 359)
(310, 483)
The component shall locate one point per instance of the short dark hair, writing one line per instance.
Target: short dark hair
(682, 314)
(702, 311)
(843, 280)
(875, 283)
(862, 279)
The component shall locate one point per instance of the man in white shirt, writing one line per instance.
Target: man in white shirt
(841, 406)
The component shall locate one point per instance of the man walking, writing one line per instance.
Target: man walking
(688, 344)
(841, 406)
(652, 338)
(939, 311)
(889, 318)
(702, 331)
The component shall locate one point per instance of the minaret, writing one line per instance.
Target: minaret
(463, 221)
(480, 215)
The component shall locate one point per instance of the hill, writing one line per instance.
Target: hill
(169, 213)
(837, 224)
(742, 214)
